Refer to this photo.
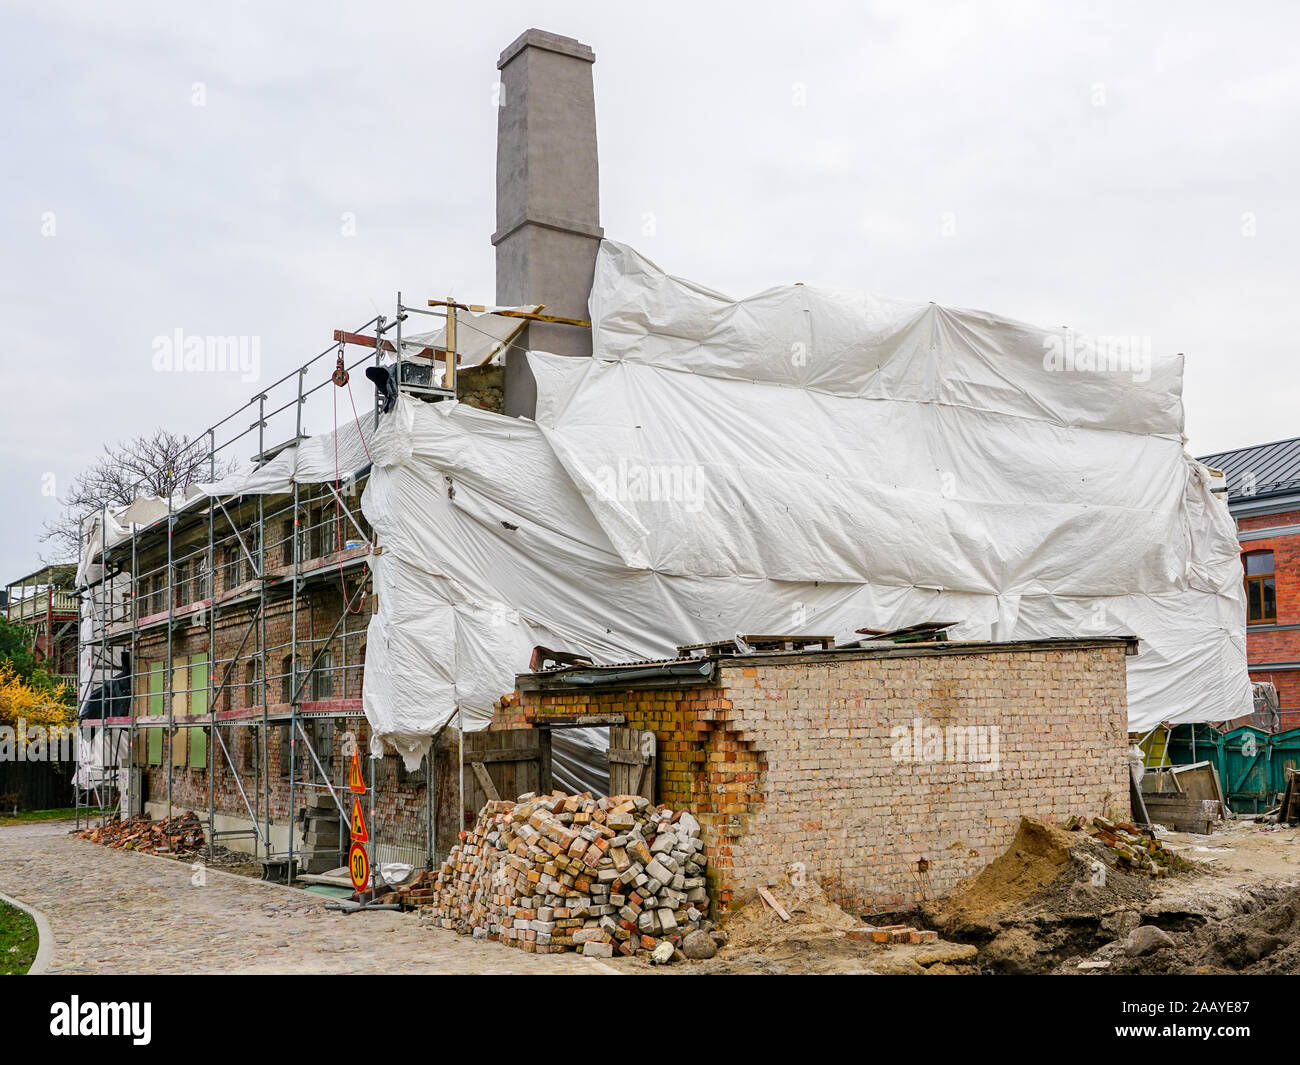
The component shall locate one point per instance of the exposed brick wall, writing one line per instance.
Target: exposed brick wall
(790, 765)
(401, 800)
(246, 652)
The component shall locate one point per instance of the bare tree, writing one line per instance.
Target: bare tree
(156, 465)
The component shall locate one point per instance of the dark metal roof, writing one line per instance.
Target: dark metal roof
(1259, 470)
(686, 672)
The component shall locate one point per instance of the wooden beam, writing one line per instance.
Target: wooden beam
(531, 316)
(770, 899)
(485, 781)
(363, 341)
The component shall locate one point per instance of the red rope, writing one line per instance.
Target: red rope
(338, 502)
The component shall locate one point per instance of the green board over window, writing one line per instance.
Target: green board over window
(154, 744)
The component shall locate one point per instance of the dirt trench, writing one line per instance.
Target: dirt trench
(1058, 902)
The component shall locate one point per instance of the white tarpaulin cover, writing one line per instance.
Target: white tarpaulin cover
(801, 460)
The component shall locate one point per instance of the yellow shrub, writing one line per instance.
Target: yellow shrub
(19, 700)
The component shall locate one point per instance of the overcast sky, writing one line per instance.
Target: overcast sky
(278, 170)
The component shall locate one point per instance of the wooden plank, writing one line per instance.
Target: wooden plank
(582, 721)
(544, 777)
(768, 898)
(485, 781)
(1135, 798)
(1178, 812)
(493, 757)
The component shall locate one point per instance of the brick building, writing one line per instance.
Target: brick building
(233, 615)
(1263, 488)
(888, 774)
(237, 621)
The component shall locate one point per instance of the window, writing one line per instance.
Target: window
(199, 684)
(198, 748)
(204, 578)
(154, 735)
(1261, 590)
(322, 677)
(291, 671)
(327, 530)
(253, 541)
(249, 741)
(304, 535)
(286, 542)
(252, 678)
(284, 733)
(181, 584)
(230, 566)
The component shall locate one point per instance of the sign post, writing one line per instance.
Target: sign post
(359, 866)
(358, 859)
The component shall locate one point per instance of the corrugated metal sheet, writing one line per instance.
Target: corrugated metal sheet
(1259, 470)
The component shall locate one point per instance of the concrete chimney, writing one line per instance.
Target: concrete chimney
(548, 197)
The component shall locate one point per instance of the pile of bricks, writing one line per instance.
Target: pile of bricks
(559, 872)
(415, 893)
(180, 835)
(1133, 849)
(894, 933)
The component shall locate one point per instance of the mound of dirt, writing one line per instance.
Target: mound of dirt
(812, 915)
(1051, 894)
(1264, 938)
(1037, 856)
(812, 941)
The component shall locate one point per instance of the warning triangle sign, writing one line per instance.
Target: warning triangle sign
(356, 783)
(359, 833)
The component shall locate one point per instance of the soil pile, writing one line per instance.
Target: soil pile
(812, 915)
(1051, 894)
(1263, 938)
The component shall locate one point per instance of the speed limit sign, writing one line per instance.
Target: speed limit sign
(359, 866)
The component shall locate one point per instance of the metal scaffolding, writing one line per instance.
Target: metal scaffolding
(230, 562)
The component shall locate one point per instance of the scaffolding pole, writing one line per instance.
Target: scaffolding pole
(195, 559)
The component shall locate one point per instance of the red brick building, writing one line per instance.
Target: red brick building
(1263, 486)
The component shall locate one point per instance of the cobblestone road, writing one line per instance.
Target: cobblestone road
(117, 912)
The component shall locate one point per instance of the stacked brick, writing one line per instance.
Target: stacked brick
(610, 876)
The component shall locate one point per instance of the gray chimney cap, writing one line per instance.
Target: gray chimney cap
(552, 42)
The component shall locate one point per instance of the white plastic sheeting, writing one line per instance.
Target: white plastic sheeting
(481, 337)
(801, 460)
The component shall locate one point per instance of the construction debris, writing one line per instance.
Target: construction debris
(414, 894)
(1133, 849)
(174, 836)
(611, 876)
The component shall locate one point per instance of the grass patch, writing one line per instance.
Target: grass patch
(18, 941)
(27, 816)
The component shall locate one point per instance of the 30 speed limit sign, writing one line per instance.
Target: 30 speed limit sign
(359, 866)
